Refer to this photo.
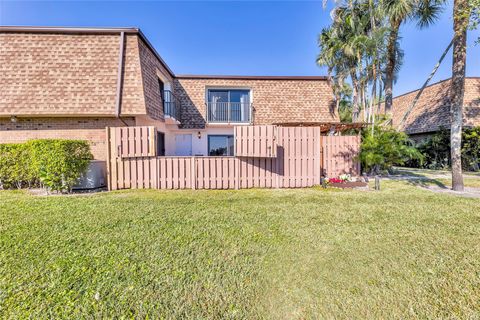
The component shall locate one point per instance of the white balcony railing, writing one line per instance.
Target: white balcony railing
(171, 105)
(229, 112)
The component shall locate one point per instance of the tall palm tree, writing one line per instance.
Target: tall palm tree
(348, 48)
(425, 12)
(461, 15)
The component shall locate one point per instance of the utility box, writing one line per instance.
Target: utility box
(95, 177)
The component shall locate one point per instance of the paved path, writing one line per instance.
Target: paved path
(427, 180)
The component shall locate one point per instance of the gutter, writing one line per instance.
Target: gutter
(237, 77)
(118, 94)
(71, 30)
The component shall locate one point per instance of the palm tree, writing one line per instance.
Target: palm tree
(425, 12)
(475, 16)
(461, 15)
(347, 48)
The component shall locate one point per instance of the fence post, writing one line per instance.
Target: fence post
(359, 144)
(193, 173)
(155, 172)
(280, 144)
(237, 173)
(109, 184)
(112, 140)
(322, 156)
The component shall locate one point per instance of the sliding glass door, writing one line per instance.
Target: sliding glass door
(231, 105)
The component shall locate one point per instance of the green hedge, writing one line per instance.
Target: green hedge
(54, 164)
(436, 150)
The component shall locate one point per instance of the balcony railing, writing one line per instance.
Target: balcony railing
(229, 112)
(171, 105)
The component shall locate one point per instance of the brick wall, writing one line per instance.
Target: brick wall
(273, 100)
(90, 129)
(67, 74)
(432, 111)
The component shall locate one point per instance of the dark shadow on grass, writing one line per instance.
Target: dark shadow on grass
(417, 179)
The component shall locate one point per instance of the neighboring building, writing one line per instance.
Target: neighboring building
(74, 82)
(432, 110)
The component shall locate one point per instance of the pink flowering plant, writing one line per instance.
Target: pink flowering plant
(341, 179)
(334, 180)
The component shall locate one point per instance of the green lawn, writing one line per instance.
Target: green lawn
(401, 252)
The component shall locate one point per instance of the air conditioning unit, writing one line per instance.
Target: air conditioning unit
(95, 177)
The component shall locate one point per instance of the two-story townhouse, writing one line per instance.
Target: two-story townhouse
(74, 82)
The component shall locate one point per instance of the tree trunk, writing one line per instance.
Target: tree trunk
(460, 24)
(355, 109)
(379, 100)
(362, 100)
(390, 68)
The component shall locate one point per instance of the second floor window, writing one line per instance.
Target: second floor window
(228, 105)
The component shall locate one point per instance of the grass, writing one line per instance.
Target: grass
(440, 178)
(422, 171)
(401, 252)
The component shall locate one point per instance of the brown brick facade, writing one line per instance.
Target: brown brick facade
(274, 101)
(432, 111)
(90, 129)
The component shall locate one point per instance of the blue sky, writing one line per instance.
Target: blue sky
(244, 37)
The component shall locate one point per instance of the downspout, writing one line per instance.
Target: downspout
(118, 95)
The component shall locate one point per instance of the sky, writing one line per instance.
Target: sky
(241, 37)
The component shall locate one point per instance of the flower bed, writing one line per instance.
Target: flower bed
(344, 181)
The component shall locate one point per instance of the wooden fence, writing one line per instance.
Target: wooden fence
(302, 156)
(339, 154)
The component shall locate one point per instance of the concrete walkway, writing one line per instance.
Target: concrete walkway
(429, 180)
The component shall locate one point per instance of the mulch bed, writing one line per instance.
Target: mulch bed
(349, 184)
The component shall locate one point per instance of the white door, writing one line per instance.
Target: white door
(183, 144)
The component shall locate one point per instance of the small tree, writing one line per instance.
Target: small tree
(383, 148)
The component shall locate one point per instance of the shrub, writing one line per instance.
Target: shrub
(55, 164)
(15, 166)
(471, 149)
(384, 147)
(436, 150)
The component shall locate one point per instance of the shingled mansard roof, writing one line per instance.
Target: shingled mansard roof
(53, 71)
(432, 111)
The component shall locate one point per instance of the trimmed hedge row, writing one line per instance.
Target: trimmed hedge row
(51, 163)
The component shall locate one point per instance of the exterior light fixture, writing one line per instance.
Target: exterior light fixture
(199, 135)
(13, 119)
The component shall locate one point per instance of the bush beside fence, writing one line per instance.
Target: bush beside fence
(51, 163)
